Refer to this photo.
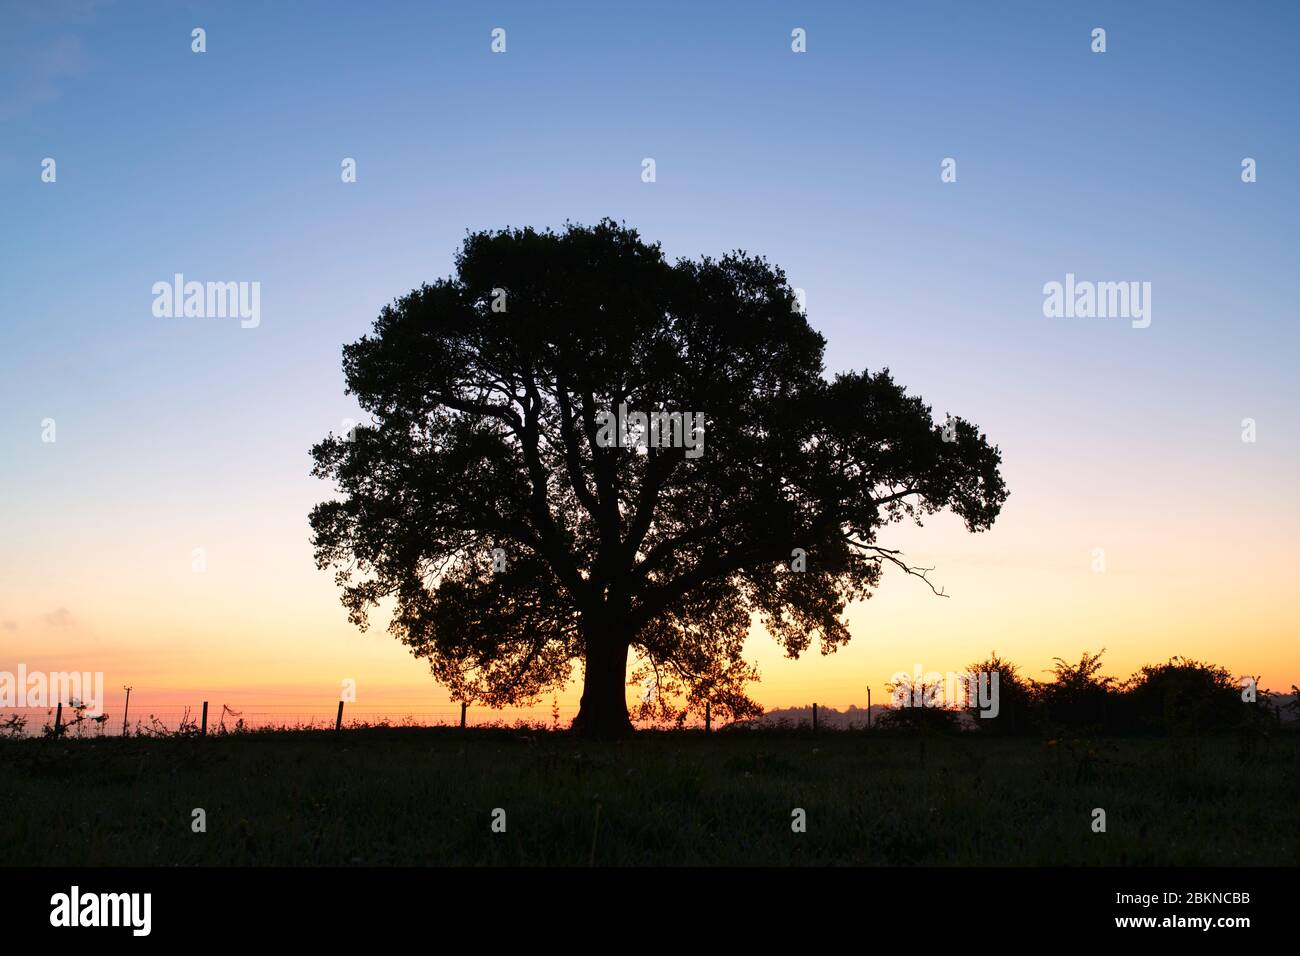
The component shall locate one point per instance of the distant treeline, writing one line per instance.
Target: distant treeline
(1179, 697)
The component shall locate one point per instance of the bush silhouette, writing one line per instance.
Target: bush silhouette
(1019, 709)
(919, 714)
(1181, 696)
(1079, 700)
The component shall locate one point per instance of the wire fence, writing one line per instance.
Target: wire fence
(142, 720)
(223, 719)
(174, 720)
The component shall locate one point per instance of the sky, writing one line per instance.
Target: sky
(176, 434)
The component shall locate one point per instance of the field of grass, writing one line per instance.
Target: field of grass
(427, 796)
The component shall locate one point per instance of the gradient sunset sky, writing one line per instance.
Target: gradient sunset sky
(176, 434)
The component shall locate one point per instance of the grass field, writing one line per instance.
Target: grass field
(427, 796)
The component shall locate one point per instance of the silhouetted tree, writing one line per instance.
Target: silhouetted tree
(1260, 718)
(1017, 698)
(488, 395)
(919, 705)
(1183, 696)
(1079, 699)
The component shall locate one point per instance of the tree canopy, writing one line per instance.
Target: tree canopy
(484, 500)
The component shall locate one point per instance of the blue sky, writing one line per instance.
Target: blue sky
(225, 166)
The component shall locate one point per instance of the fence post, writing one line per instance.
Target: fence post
(868, 708)
(462, 714)
(814, 718)
(125, 708)
(58, 719)
(338, 721)
(203, 731)
(708, 717)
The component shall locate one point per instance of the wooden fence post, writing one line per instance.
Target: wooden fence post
(463, 705)
(814, 718)
(125, 708)
(868, 708)
(338, 721)
(203, 730)
(58, 719)
(708, 717)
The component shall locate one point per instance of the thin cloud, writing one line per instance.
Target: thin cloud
(60, 617)
(37, 75)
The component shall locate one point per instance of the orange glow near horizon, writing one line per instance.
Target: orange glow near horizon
(262, 630)
(160, 534)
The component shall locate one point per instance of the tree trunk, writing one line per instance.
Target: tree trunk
(603, 711)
